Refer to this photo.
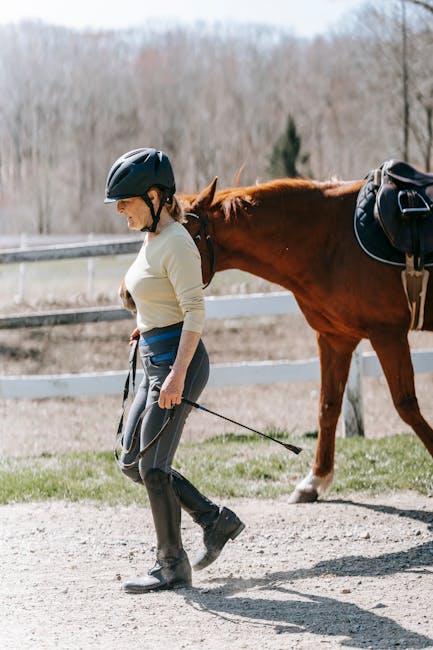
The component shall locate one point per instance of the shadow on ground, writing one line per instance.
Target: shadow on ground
(309, 613)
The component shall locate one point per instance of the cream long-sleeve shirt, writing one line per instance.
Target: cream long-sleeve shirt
(165, 281)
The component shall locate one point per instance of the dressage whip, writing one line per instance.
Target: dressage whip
(130, 381)
(295, 450)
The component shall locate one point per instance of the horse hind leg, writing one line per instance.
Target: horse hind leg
(335, 355)
(394, 355)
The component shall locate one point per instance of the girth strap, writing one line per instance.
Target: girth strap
(415, 287)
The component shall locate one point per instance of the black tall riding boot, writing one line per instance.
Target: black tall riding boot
(219, 524)
(172, 568)
(200, 508)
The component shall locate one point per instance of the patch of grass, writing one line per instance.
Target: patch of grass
(226, 466)
(396, 463)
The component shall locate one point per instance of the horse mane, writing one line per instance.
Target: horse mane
(237, 201)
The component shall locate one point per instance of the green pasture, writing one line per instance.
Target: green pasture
(225, 466)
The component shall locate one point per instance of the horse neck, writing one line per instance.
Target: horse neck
(279, 235)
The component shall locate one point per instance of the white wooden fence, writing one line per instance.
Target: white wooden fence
(228, 307)
(251, 305)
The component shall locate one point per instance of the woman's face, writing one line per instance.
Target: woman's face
(136, 212)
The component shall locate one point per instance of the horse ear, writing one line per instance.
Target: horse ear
(237, 176)
(205, 198)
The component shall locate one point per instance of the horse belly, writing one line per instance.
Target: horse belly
(355, 303)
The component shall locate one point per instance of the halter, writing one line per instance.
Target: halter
(203, 230)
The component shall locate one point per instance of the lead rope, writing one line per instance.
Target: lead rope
(118, 444)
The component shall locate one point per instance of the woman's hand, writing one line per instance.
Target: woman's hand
(134, 335)
(171, 390)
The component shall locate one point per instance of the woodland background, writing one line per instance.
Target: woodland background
(214, 98)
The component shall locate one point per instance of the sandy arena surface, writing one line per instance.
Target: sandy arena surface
(338, 574)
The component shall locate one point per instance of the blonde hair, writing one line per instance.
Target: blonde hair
(174, 208)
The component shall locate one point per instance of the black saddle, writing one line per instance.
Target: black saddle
(394, 214)
(404, 173)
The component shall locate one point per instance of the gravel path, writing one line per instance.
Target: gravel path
(337, 574)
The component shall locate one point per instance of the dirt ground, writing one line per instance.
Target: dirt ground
(337, 574)
(355, 572)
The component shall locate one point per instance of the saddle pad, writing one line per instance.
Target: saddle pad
(369, 233)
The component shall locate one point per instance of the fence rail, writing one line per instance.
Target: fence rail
(253, 304)
(111, 383)
(70, 251)
(247, 373)
(65, 317)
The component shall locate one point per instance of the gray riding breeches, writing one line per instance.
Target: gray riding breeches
(158, 349)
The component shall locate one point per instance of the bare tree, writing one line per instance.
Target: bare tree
(215, 99)
(421, 3)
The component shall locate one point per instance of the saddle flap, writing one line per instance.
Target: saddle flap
(405, 215)
(387, 212)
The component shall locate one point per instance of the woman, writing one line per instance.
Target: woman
(165, 283)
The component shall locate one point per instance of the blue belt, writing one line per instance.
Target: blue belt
(162, 337)
(166, 356)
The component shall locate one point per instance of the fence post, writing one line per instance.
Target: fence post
(90, 272)
(20, 296)
(352, 412)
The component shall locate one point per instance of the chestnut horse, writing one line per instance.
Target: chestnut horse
(299, 234)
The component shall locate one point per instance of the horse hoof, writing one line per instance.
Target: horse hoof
(299, 496)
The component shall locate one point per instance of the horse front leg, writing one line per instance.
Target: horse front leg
(335, 355)
(394, 356)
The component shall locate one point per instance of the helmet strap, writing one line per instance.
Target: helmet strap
(155, 215)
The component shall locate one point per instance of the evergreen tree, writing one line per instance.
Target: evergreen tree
(287, 152)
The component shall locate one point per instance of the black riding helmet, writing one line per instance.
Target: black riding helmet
(134, 173)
